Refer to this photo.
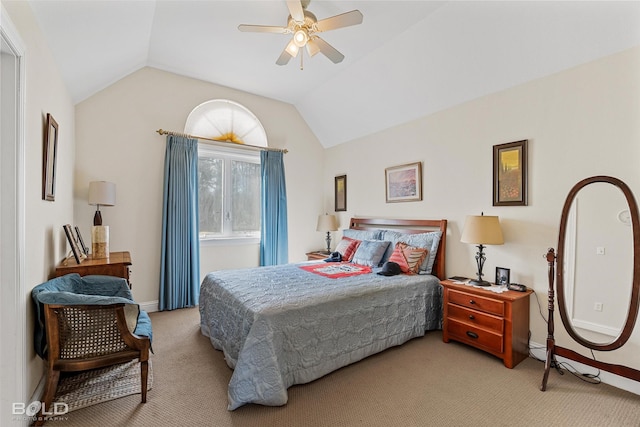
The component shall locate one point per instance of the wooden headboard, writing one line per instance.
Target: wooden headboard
(410, 226)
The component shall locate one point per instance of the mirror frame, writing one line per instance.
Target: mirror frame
(633, 305)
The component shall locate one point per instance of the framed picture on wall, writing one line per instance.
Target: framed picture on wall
(404, 183)
(49, 159)
(510, 174)
(340, 192)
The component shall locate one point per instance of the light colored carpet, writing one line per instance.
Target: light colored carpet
(83, 389)
(424, 382)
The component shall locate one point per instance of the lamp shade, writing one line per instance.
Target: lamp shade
(102, 193)
(327, 223)
(483, 230)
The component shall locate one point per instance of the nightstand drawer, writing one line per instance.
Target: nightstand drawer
(477, 302)
(476, 336)
(476, 318)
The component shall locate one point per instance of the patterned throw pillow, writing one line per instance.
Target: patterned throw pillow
(409, 258)
(429, 241)
(347, 247)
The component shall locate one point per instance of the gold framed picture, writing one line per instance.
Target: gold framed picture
(340, 192)
(510, 174)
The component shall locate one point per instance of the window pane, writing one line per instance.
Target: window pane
(210, 191)
(245, 204)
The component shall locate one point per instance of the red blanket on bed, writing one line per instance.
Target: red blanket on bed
(335, 270)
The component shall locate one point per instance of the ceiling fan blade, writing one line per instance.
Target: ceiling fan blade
(295, 9)
(339, 21)
(284, 58)
(262, 29)
(312, 47)
(328, 50)
(291, 51)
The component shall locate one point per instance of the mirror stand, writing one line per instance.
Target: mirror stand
(565, 259)
(553, 349)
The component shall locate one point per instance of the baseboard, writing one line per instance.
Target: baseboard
(149, 306)
(37, 393)
(539, 351)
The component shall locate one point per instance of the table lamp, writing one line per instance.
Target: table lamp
(327, 223)
(101, 193)
(481, 230)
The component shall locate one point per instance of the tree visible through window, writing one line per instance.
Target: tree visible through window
(229, 194)
(210, 194)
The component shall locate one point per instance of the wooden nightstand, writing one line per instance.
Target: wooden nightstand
(495, 323)
(116, 265)
(317, 255)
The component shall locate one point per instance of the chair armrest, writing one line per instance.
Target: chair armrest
(86, 332)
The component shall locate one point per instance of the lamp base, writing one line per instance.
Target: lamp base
(97, 218)
(479, 283)
(100, 241)
(328, 240)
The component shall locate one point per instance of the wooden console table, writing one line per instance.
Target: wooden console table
(116, 265)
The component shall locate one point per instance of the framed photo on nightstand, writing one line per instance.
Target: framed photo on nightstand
(503, 276)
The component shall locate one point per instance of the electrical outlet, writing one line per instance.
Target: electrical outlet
(597, 306)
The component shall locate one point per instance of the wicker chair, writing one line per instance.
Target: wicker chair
(85, 336)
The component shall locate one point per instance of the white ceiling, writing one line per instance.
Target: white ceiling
(406, 60)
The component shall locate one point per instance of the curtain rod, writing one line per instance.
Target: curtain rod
(168, 132)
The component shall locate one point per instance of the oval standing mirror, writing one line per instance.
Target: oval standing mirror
(597, 279)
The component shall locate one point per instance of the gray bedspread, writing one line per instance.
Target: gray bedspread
(282, 325)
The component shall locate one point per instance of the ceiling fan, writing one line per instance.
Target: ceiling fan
(304, 26)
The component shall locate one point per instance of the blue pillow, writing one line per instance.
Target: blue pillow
(370, 252)
(361, 234)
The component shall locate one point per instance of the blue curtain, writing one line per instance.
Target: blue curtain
(180, 262)
(274, 245)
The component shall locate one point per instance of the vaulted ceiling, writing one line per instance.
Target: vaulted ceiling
(406, 60)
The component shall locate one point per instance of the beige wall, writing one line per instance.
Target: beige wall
(581, 122)
(117, 142)
(46, 243)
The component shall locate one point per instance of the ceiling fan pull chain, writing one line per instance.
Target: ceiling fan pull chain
(301, 61)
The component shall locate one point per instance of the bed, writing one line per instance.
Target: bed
(290, 324)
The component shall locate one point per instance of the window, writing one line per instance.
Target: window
(229, 193)
(228, 176)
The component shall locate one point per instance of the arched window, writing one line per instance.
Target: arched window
(228, 175)
(225, 120)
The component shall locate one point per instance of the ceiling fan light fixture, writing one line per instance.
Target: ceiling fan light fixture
(303, 26)
(300, 37)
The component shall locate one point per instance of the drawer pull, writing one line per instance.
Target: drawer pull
(471, 301)
(471, 316)
(472, 334)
